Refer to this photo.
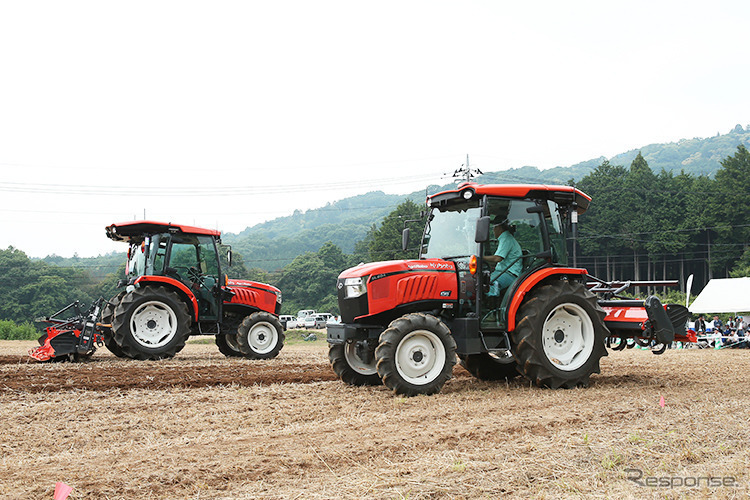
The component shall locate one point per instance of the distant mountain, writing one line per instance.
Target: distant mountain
(273, 244)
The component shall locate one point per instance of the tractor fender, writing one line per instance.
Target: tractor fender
(531, 281)
(179, 287)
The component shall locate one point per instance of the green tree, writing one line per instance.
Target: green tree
(732, 212)
(384, 242)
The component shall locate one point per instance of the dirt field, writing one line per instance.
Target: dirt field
(205, 426)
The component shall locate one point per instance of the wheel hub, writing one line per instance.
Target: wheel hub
(153, 324)
(559, 336)
(568, 336)
(420, 357)
(262, 337)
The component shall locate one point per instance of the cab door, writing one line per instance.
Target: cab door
(526, 229)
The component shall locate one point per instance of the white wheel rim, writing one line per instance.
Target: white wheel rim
(356, 363)
(420, 357)
(568, 337)
(153, 324)
(262, 337)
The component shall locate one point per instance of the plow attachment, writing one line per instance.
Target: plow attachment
(647, 322)
(70, 339)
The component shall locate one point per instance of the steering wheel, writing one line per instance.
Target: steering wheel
(195, 275)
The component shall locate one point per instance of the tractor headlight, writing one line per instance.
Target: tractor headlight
(355, 287)
(278, 297)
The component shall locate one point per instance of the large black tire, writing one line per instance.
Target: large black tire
(486, 366)
(416, 355)
(350, 367)
(108, 315)
(227, 341)
(151, 322)
(559, 335)
(227, 344)
(260, 336)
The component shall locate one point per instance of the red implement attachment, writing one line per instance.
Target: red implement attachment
(70, 339)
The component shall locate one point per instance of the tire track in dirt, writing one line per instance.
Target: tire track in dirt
(30, 376)
(33, 377)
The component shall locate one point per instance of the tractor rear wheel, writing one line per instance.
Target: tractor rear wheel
(260, 336)
(559, 335)
(490, 366)
(151, 322)
(108, 315)
(416, 355)
(228, 346)
(349, 366)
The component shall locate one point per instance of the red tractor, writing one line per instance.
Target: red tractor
(504, 308)
(174, 288)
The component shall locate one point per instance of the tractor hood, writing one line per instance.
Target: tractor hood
(379, 287)
(377, 270)
(263, 296)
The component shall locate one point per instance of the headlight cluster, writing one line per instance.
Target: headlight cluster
(355, 287)
(278, 297)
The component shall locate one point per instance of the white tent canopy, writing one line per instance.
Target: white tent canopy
(730, 295)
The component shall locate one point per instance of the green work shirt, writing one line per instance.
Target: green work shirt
(509, 249)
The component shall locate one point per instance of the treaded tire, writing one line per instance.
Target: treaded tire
(227, 344)
(416, 355)
(151, 323)
(559, 335)
(260, 336)
(108, 315)
(342, 358)
(485, 366)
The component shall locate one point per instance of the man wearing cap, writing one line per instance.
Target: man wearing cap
(507, 257)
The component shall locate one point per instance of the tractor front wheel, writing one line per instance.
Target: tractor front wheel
(349, 366)
(260, 336)
(416, 355)
(151, 323)
(559, 335)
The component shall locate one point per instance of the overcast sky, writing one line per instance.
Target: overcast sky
(227, 114)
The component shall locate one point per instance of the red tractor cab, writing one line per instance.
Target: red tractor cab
(503, 307)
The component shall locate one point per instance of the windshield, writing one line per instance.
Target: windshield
(450, 231)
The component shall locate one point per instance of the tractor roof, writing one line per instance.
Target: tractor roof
(137, 230)
(563, 195)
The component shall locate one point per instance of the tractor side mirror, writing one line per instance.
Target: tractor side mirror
(482, 234)
(229, 258)
(405, 239)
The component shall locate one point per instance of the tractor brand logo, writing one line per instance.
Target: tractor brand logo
(430, 265)
(418, 266)
(441, 265)
(445, 293)
(377, 277)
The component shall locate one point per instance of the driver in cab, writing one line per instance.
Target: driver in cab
(507, 257)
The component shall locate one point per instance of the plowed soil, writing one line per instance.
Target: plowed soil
(205, 426)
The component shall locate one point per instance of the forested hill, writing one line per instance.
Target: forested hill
(273, 244)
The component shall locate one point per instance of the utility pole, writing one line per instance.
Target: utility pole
(466, 172)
